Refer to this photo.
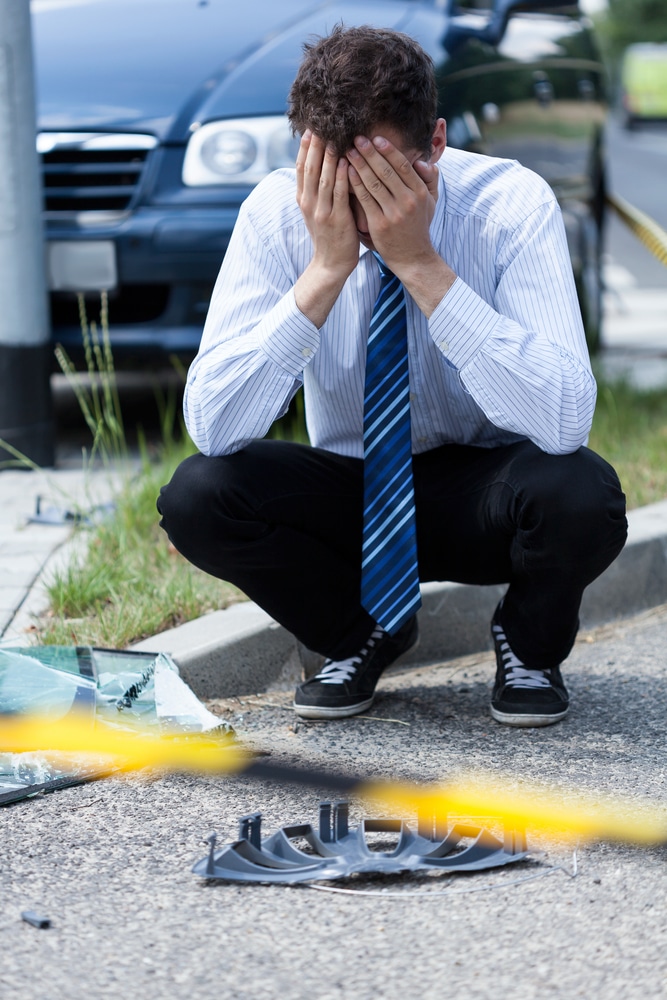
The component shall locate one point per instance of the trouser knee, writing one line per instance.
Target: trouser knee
(573, 507)
(194, 508)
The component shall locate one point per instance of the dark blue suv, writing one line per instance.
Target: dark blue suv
(156, 118)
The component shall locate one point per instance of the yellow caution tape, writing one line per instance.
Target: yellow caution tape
(131, 750)
(572, 815)
(538, 808)
(652, 235)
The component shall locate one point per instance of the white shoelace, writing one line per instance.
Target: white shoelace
(340, 671)
(516, 674)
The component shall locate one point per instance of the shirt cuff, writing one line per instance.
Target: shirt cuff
(461, 324)
(287, 337)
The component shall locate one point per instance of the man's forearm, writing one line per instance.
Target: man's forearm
(427, 281)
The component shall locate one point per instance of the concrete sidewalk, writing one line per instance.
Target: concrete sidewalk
(30, 551)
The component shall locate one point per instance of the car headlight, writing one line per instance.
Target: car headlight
(238, 151)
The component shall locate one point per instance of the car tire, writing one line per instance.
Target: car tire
(589, 281)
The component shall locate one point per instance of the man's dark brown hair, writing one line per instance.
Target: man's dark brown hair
(358, 78)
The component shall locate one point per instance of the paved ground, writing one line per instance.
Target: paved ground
(25, 547)
(109, 862)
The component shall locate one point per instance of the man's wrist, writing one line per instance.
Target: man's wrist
(427, 279)
(316, 290)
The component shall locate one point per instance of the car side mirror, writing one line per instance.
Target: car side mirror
(494, 29)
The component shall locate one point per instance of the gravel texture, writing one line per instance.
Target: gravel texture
(109, 862)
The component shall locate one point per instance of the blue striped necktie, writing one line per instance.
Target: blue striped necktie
(389, 573)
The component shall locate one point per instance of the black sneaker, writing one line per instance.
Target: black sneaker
(347, 687)
(523, 696)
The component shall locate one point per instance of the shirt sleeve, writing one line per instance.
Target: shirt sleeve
(255, 346)
(524, 358)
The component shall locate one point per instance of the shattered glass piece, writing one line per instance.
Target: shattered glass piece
(30, 685)
(147, 687)
(336, 851)
(115, 688)
(177, 706)
(23, 775)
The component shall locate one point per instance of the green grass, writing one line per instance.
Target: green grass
(132, 583)
(630, 431)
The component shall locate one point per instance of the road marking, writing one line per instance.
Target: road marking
(616, 277)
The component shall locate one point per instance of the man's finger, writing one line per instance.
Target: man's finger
(429, 174)
(312, 168)
(342, 185)
(304, 145)
(403, 171)
(328, 175)
(378, 178)
(368, 202)
(389, 164)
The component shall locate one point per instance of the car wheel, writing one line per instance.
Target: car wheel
(589, 282)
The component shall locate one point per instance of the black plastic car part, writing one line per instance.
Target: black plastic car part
(336, 851)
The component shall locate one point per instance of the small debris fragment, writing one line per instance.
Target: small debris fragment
(60, 515)
(35, 920)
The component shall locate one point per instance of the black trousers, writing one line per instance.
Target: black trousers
(283, 522)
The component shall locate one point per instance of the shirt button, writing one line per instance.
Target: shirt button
(307, 352)
(412, 397)
(445, 346)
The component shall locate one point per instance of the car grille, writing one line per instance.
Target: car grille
(92, 172)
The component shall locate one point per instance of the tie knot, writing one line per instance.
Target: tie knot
(385, 272)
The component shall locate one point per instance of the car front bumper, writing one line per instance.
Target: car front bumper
(164, 263)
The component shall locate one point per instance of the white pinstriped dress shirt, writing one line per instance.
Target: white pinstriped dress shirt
(503, 356)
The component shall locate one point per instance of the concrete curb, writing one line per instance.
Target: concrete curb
(242, 650)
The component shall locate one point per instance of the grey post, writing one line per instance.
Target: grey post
(26, 419)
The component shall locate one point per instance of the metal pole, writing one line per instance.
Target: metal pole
(26, 415)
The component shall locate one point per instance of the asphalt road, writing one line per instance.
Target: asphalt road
(637, 167)
(109, 863)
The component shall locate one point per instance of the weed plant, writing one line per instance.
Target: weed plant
(126, 582)
(630, 431)
(97, 397)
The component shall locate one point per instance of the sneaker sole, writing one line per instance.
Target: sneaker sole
(322, 712)
(525, 720)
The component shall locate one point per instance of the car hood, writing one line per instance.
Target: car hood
(156, 66)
